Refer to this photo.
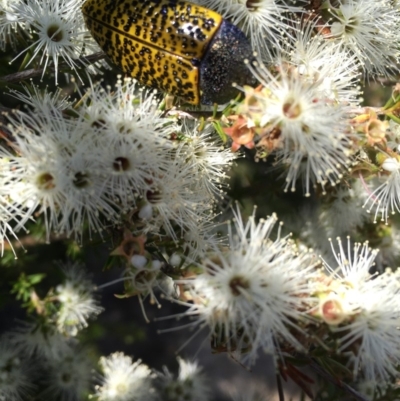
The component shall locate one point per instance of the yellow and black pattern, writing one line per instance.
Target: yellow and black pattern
(159, 42)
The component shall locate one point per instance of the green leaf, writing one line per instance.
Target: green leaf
(24, 286)
(218, 127)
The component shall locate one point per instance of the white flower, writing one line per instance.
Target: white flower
(314, 131)
(127, 111)
(34, 178)
(77, 301)
(128, 169)
(178, 205)
(40, 339)
(370, 311)
(85, 172)
(385, 198)
(15, 381)
(343, 212)
(253, 294)
(58, 28)
(11, 219)
(68, 376)
(86, 199)
(128, 136)
(42, 100)
(190, 385)
(367, 29)
(56, 174)
(205, 152)
(124, 380)
(353, 263)
(10, 23)
(198, 240)
(319, 60)
(375, 330)
(263, 22)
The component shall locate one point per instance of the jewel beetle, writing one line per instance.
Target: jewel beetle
(181, 48)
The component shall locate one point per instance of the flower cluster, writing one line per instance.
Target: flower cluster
(119, 155)
(63, 366)
(258, 293)
(355, 304)
(123, 379)
(70, 376)
(150, 175)
(254, 293)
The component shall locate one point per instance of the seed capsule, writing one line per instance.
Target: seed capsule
(181, 48)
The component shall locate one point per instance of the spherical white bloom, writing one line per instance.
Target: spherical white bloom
(319, 60)
(190, 385)
(12, 216)
(10, 23)
(254, 293)
(368, 30)
(58, 28)
(129, 133)
(375, 329)
(204, 237)
(124, 380)
(343, 212)
(370, 312)
(15, 383)
(126, 112)
(68, 376)
(40, 339)
(178, 205)
(314, 131)
(86, 199)
(77, 301)
(42, 100)
(35, 178)
(56, 174)
(263, 22)
(353, 263)
(128, 168)
(205, 152)
(385, 198)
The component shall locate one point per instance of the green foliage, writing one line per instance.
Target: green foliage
(24, 287)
